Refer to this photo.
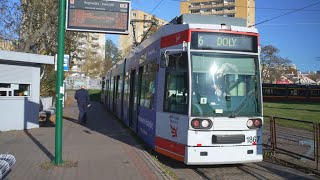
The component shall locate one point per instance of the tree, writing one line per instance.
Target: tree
(10, 20)
(152, 28)
(93, 64)
(38, 34)
(112, 55)
(273, 65)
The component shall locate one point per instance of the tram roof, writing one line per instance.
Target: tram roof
(195, 21)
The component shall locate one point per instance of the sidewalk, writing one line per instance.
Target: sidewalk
(102, 150)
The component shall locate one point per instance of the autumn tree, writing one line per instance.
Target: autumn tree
(93, 64)
(112, 55)
(33, 24)
(273, 65)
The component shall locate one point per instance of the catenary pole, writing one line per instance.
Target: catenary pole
(59, 81)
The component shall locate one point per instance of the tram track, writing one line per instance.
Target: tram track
(233, 172)
(202, 174)
(254, 174)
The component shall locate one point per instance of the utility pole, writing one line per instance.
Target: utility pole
(59, 82)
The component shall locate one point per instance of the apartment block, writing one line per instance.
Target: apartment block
(244, 9)
(140, 23)
(95, 42)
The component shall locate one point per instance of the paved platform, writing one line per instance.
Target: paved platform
(102, 149)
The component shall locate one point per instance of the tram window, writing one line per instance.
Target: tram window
(292, 92)
(103, 85)
(176, 93)
(126, 88)
(111, 89)
(315, 93)
(148, 85)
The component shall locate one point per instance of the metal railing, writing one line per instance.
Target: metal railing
(296, 137)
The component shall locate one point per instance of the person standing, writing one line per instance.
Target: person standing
(83, 100)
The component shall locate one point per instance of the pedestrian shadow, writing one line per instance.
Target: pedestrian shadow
(70, 119)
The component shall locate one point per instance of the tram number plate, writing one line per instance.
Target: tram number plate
(252, 139)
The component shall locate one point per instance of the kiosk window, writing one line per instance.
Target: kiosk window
(7, 89)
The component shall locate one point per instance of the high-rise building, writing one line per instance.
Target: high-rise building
(244, 9)
(141, 23)
(94, 42)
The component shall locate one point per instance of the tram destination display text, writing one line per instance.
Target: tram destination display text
(98, 16)
(224, 41)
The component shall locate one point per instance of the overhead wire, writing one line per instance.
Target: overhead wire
(140, 24)
(267, 20)
(276, 17)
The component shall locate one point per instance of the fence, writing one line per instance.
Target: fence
(73, 82)
(283, 134)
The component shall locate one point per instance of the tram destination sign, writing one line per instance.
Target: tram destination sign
(224, 41)
(106, 16)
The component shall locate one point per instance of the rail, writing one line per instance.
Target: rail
(302, 142)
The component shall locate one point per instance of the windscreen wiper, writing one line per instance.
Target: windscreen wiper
(236, 112)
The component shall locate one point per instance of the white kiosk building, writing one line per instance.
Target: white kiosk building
(20, 89)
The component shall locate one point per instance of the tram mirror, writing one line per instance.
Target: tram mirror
(164, 62)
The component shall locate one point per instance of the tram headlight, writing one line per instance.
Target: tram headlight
(201, 123)
(254, 123)
(205, 123)
(249, 123)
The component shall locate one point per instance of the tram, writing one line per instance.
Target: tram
(291, 92)
(192, 91)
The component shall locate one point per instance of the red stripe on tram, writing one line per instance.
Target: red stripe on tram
(175, 39)
(170, 148)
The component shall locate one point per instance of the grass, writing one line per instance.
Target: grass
(95, 95)
(305, 111)
(51, 165)
(293, 110)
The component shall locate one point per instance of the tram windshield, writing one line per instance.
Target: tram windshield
(225, 85)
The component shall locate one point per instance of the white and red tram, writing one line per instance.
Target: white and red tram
(192, 91)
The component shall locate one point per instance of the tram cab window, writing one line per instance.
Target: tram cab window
(176, 92)
(222, 82)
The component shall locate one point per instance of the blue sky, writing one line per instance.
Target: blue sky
(296, 35)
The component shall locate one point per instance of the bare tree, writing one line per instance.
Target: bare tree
(10, 19)
(273, 65)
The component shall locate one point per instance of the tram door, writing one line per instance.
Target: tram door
(132, 100)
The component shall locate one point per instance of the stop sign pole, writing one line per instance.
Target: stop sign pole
(59, 83)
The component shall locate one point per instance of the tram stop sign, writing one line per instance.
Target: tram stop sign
(104, 16)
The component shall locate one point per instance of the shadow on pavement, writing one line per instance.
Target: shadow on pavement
(36, 142)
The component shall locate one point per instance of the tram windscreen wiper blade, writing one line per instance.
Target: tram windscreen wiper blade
(236, 112)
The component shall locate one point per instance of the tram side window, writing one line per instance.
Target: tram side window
(292, 92)
(148, 85)
(111, 89)
(315, 93)
(126, 88)
(176, 92)
(119, 85)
